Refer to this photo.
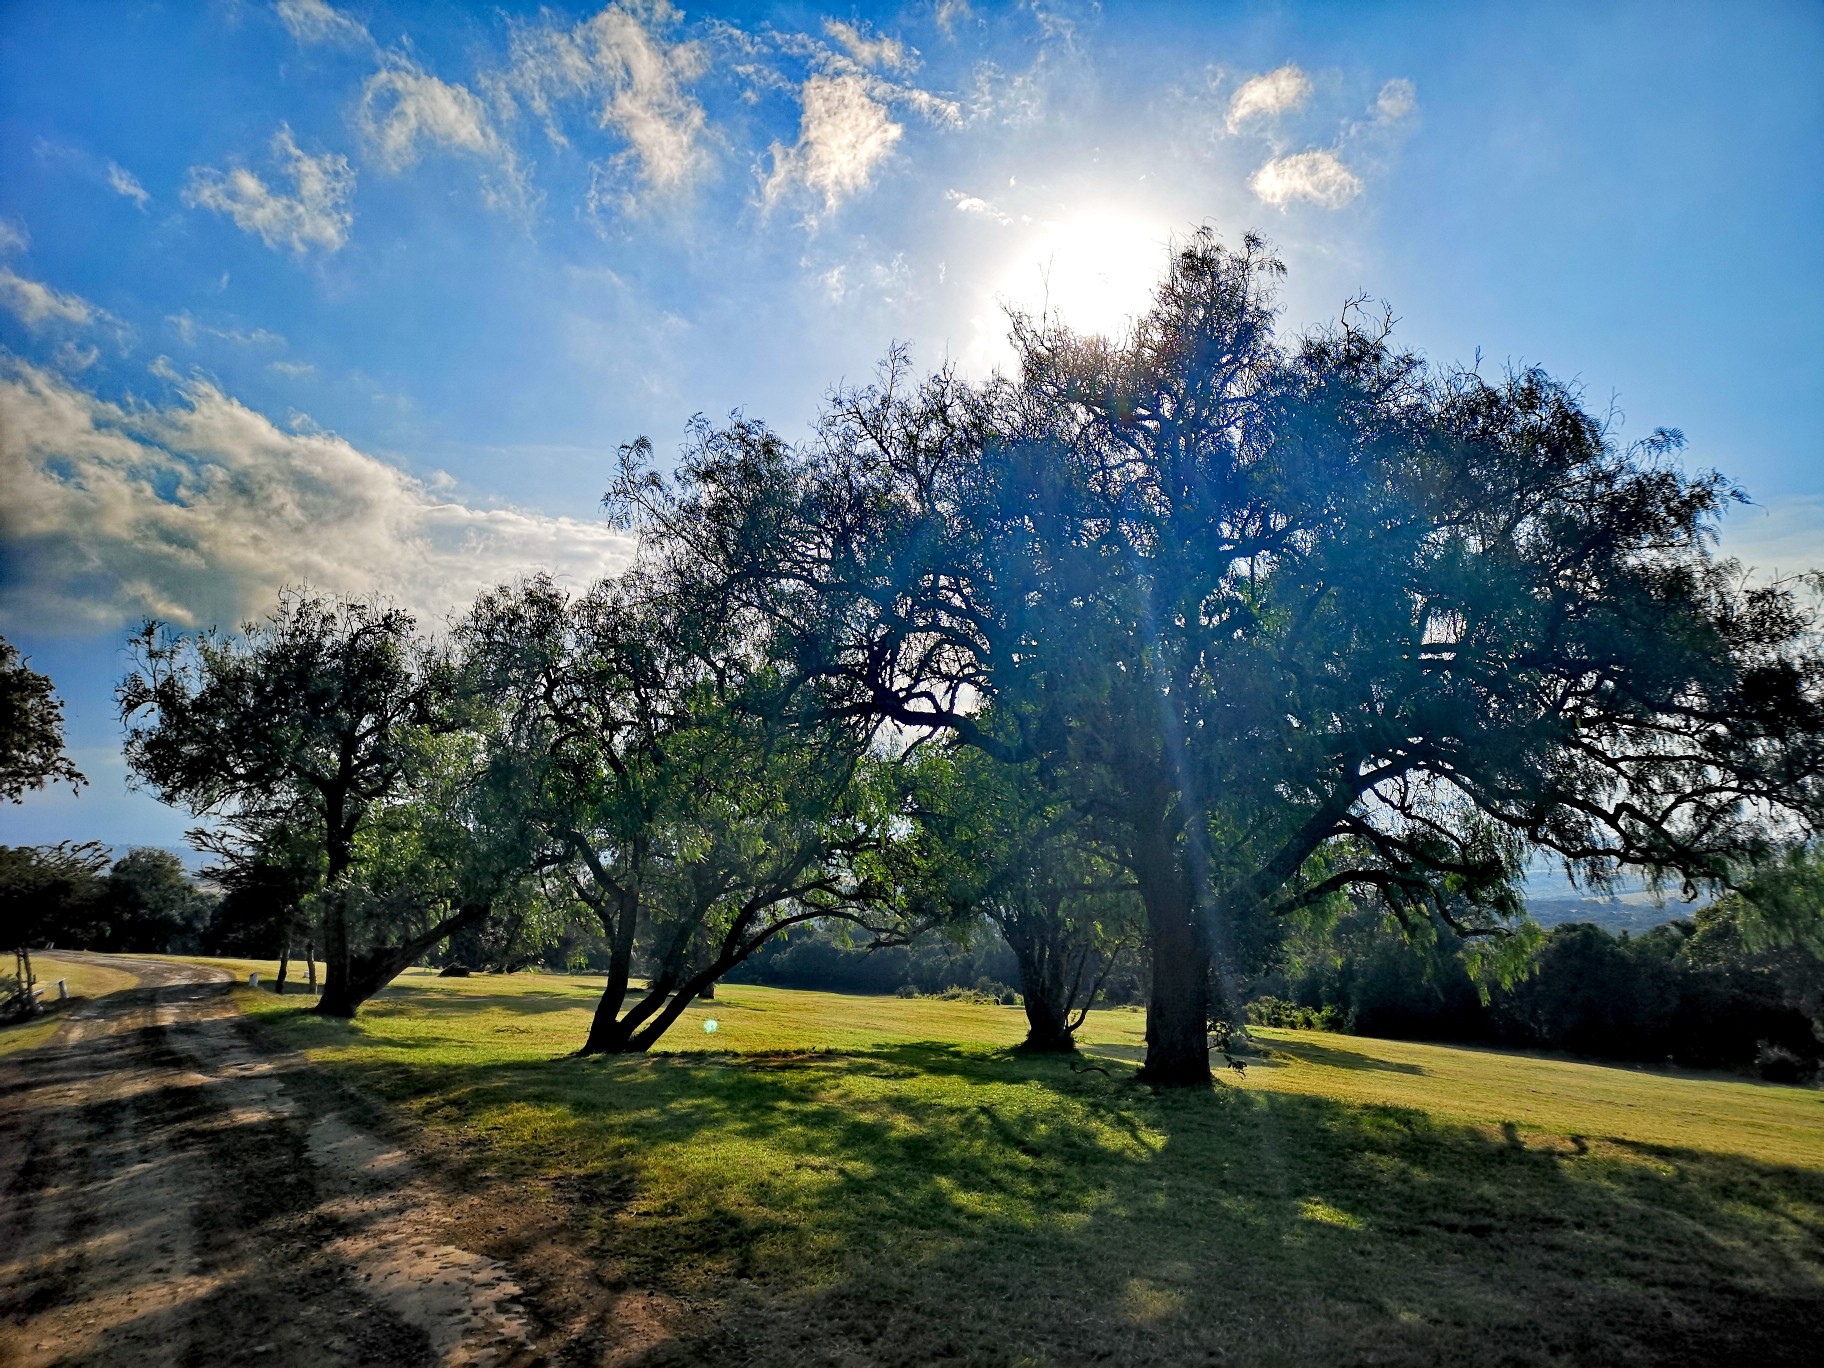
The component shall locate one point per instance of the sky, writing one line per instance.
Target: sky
(368, 296)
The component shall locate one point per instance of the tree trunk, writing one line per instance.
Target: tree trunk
(310, 965)
(278, 979)
(1177, 1010)
(337, 964)
(1043, 991)
(366, 974)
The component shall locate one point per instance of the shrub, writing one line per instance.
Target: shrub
(1289, 1016)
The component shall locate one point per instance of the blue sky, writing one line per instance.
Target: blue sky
(368, 295)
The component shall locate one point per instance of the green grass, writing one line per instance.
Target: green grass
(829, 1178)
(80, 977)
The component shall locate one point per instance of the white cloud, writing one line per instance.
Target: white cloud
(1317, 176)
(200, 510)
(317, 214)
(188, 327)
(974, 204)
(405, 109)
(122, 182)
(843, 135)
(13, 237)
(312, 21)
(949, 12)
(1267, 95)
(882, 51)
(1397, 99)
(35, 303)
(628, 58)
(295, 370)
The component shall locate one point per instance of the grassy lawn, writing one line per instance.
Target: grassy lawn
(81, 978)
(832, 1179)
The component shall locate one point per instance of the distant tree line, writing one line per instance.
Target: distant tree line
(1729, 987)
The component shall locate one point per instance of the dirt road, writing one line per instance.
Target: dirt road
(169, 1196)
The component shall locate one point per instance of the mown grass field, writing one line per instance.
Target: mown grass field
(831, 1179)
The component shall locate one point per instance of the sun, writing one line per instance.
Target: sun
(1095, 272)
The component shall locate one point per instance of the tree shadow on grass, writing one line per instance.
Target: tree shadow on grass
(1339, 1057)
(925, 1202)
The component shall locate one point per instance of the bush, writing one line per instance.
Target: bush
(1289, 1016)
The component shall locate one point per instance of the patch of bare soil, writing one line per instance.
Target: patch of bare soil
(172, 1192)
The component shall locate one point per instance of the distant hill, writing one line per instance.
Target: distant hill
(1630, 912)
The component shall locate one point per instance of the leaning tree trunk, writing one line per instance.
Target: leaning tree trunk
(1177, 1010)
(363, 975)
(278, 979)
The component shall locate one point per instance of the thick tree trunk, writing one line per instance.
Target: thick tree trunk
(608, 1033)
(366, 974)
(338, 966)
(278, 979)
(1043, 991)
(1177, 1011)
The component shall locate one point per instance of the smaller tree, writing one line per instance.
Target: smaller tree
(313, 720)
(698, 816)
(31, 730)
(45, 892)
(993, 844)
(151, 903)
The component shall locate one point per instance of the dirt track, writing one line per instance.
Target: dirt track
(167, 1197)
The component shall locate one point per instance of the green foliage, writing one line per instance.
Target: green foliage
(1277, 618)
(1704, 992)
(331, 726)
(686, 800)
(31, 730)
(1290, 1016)
(151, 903)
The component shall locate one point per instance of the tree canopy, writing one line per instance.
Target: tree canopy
(31, 730)
(314, 727)
(1277, 617)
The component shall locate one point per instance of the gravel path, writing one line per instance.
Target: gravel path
(167, 1197)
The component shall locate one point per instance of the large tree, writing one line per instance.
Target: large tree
(31, 730)
(1280, 617)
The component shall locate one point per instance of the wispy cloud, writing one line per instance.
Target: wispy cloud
(123, 182)
(312, 21)
(405, 110)
(13, 237)
(199, 510)
(1318, 177)
(1265, 96)
(632, 64)
(975, 204)
(844, 134)
(867, 49)
(1397, 99)
(189, 328)
(316, 214)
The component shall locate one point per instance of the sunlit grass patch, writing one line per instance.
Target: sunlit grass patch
(885, 1178)
(81, 978)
